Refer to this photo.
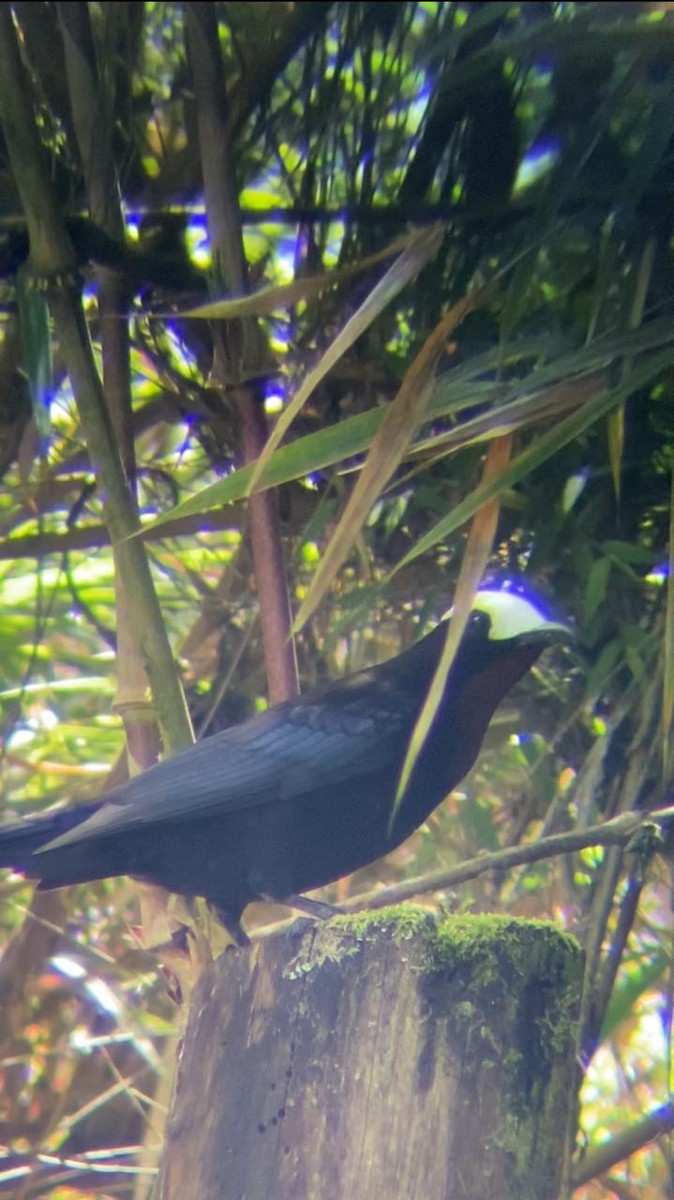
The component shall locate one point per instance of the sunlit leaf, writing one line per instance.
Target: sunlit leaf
(269, 299)
(536, 454)
(422, 246)
(36, 339)
(453, 392)
(402, 418)
(475, 559)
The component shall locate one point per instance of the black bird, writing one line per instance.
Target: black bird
(302, 794)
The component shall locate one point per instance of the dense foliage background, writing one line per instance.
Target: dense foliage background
(436, 233)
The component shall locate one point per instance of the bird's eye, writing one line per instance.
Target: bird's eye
(479, 622)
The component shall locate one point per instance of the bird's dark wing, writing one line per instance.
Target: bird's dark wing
(291, 750)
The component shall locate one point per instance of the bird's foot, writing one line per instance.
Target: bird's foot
(313, 908)
(316, 910)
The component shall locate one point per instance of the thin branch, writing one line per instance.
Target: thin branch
(643, 748)
(617, 832)
(601, 1158)
(612, 959)
(89, 537)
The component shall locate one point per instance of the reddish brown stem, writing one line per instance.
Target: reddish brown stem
(240, 351)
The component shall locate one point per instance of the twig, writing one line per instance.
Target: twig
(616, 832)
(601, 1158)
(612, 833)
(612, 959)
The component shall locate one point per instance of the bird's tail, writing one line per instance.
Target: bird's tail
(18, 842)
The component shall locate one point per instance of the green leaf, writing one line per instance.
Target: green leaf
(558, 190)
(668, 670)
(635, 662)
(638, 556)
(653, 143)
(595, 589)
(36, 340)
(608, 659)
(403, 416)
(538, 453)
(284, 295)
(453, 392)
(421, 247)
(616, 442)
(457, 390)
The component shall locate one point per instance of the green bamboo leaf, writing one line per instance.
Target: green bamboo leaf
(573, 490)
(552, 36)
(628, 552)
(603, 350)
(36, 340)
(635, 662)
(401, 420)
(653, 143)
(326, 447)
(557, 192)
(421, 248)
(608, 255)
(474, 562)
(616, 422)
(595, 590)
(668, 669)
(98, 684)
(616, 444)
(456, 390)
(507, 418)
(609, 658)
(284, 295)
(538, 453)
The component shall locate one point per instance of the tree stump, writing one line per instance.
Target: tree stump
(379, 1056)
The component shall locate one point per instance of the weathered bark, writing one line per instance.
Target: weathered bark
(379, 1055)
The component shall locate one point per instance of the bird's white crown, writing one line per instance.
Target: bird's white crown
(512, 615)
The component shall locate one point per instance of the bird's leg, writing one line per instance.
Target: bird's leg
(314, 908)
(232, 925)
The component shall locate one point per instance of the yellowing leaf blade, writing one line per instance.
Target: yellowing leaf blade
(422, 247)
(406, 412)
(475, 559)
(284, 295)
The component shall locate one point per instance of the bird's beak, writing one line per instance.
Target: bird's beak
(548, 632)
